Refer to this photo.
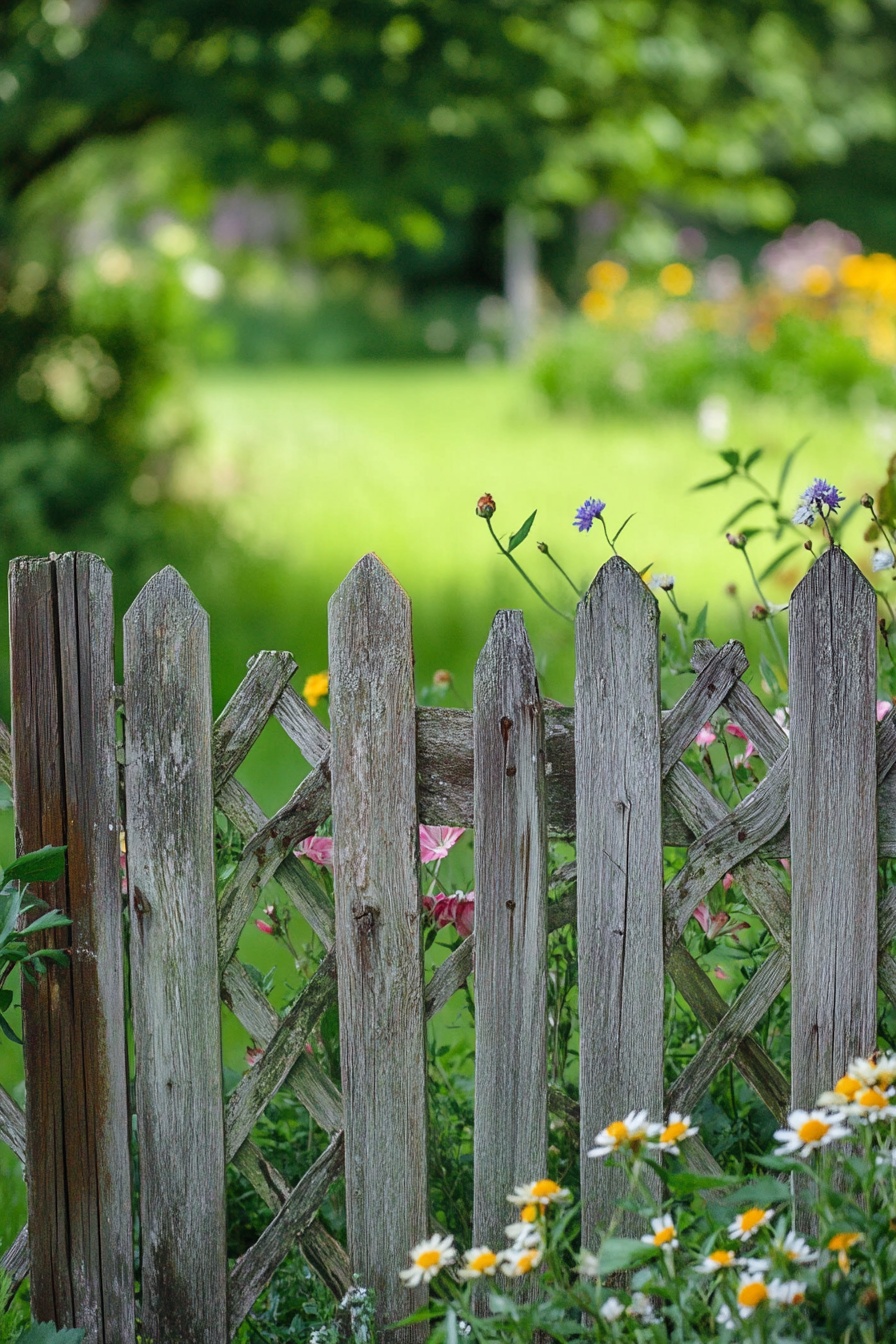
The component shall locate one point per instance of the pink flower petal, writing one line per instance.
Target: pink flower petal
(702, 916)
(263, 927)
(883, 709)
(719, 974)
(727, 881)
(317, 848)
(435, 841)
(705, 737)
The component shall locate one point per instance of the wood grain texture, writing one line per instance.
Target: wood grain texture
(78, 1156)
(15, 1264)
(252, 1271)
(12, 1124)
(715, 680)
(240, 723)
(833, 825)
(5, 754)
(378, 932)
(302, 725)
(174, 965)
(747, 711)
(620, 868)
(510, 1118)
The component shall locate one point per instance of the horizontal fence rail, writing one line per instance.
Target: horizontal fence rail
(610, 772)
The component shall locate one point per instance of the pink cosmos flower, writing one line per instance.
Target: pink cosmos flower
(705, 737)
(883, 709)
(727, 880)
(736, 731)
(319, 849)
(713, 925)
(435, 841)
(459, 910)
(263, 926)
(719, 974)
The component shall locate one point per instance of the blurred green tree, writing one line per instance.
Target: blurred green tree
(385, 120)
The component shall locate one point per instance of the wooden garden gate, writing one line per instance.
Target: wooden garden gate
(515, 769)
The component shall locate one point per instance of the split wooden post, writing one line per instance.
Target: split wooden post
(510, 1128)
(833, 823)
(619, 855)
(65, 784)
(174, 966)
(379, 951)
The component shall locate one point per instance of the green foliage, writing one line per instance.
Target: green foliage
(45, 865)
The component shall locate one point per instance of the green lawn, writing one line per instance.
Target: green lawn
(311, 468)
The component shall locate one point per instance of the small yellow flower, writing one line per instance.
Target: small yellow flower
(609, 276)
(663, 1234)
(478, 1261)
(316, 687)
(631, 1133)
(841, 1242)
(677, 279)
(519, 1261)
(677, 1127)
(748, 1222)
(717, 1260)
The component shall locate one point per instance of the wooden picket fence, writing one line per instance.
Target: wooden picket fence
(608, 771)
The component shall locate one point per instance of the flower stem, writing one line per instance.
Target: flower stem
(537, 591)
(557, 565)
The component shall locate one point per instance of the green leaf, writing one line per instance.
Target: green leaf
(779, 560)
(731, 456)
(10, 906)
(5, 999)
(48, 1334)
(8, 1031)
(715, 480)
(684, 1183)
(788, 463)
(44, 865)
(757, 1194)
(726, 527)
(699, 631)
(519, 537)
(53, 919)
(752, 457)
(618, 1253)
(618, 533)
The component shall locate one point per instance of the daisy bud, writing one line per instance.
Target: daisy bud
(736, 539)
(485, 507)
(867, 502)
(759, 612)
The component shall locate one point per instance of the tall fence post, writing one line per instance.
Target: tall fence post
(833, 823)
(510, 1129)
(65, 784)
(174, 965)
(379, 950)
(619, 859)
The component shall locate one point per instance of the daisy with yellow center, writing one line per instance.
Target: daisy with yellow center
(631, 1133)
(525, 1234)
(478, 1261)
(427, 1258)
(316, 687)
(796, 1250)
(716, 1260)
(871, 1104)
(518, 1261)
(844, 1090)
(749, 1222)
(676, 1128)
(663, 1234)
(539, 1194)
(808, 1130)
(751, 1293)
(787, 1293)
(842, 1243)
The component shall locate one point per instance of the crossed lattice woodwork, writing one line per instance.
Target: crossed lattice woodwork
(719, 840)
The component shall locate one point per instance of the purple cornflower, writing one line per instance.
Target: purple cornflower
(819, 495)
(586, 514)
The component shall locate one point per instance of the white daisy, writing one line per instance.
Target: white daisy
(540, 1193)
(716, 1260)
(882, 560)
(676, 1128)
(519, 1260)
(663, 1234)
(752, 1291)
(725, 1318)
(523, 1234)
(641, 1308)
(787, 1292)
(427, 1258)
(612, 1309)
(796, 1249)
(631, 1132)
(808, 1130)
(749, 1222)
(478, 1261)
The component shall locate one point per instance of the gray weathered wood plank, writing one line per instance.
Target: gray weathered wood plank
(5, 754)
(66, 787)
(12, 1124)
(240, 723)
(252, 1271)
(510, 1116)
(302, 725)
(746, 710)
(619, 859)
(174, 965)
(833, 826)
(715, 681)
(15, 1264)
(378, 931)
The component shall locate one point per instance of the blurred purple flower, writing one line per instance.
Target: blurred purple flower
(819, 495)
(586, 514)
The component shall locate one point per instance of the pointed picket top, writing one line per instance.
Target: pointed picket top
(167, 588)
(835, 568)
(369, 581)
(616, 574)
(508, 646)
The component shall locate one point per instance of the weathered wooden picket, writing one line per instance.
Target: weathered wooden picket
(608, 771)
